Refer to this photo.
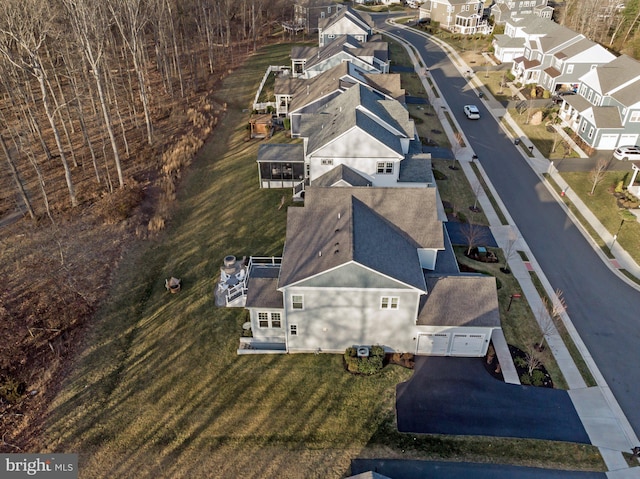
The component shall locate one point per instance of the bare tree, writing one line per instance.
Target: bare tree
(474, 234)
(16, 178)
(597, 173)
(508, 250)
(26, 24)
(89, 23)
(131, 17)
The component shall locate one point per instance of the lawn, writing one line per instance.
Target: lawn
(159, 390)
(603, 205)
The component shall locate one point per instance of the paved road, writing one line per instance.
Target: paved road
(400, 469)
(457, 396)
(603, 308)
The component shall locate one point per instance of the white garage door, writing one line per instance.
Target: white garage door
(434, 344)
(467, 345)
(608, 142)
(628, 140)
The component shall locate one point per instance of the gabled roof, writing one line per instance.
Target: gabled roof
(460, 300)
(416, 168)
(288, 152)
(361, 19)
(607, 117)
(617, 74)
(359, 107)
(378, 228)
(341, 173)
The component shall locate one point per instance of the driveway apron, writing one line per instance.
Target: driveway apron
(448, 395)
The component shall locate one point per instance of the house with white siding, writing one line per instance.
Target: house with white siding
(346, 21)
(459, 16)
(504, 10)
(371, 56)
(364, 266)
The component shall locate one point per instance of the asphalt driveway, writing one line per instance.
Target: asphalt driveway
(458, 396)
(399, 469)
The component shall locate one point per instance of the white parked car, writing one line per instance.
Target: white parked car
(629, 152)
(472, 112)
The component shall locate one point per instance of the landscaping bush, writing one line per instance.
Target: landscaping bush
(369, 365)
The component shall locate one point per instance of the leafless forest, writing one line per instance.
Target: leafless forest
(614, 24)
(102, 104)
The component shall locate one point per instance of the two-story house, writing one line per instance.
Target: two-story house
(295, 96)
(360, 267)
(606, 111)
(345, 21)
(460, 16)
(504, 10)
(371, 56)
(307, 13)
(362, 129)
(546, 53)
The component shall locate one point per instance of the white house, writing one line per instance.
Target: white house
(360, 267)
(371, 56)
(346, 21)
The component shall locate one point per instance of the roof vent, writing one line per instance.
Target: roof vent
(336, 251)
(319, 253)
(337, 230)
(339, 215)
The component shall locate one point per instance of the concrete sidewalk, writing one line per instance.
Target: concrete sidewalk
(604, 421)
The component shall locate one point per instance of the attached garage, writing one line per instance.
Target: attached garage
(461, 326)
(433, 344)
(608, 142)
(628, 140)
(467, 345)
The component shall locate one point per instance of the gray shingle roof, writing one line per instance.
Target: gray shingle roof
(416, 169)
(617, 72)
(290, 152)
(381, 228)
(262, 292)
(344, 173)
(343, 113)
(361, 18)
(460, 300)
(607, 117)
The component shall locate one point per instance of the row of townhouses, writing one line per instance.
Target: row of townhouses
(605, 109)
(367, 259)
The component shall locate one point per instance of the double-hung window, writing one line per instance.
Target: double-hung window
(389, 302)
(384, 167)
(269, 320)
(297, 301)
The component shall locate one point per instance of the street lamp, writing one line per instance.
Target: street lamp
(626, 215)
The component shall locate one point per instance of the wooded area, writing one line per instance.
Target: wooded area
(102, 105)
(613, 23)
(91, 90)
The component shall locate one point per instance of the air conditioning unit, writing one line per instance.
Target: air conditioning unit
(363, 351)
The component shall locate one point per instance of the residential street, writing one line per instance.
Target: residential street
(602, 308)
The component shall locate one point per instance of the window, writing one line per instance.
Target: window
(269, 320)
(389, 302)
(635, 116)
(293, 329)
(297, 301)
(591, 132)
(570, 68)
(384, 167)
(326, 161)
(590, 95)
(583, 126)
